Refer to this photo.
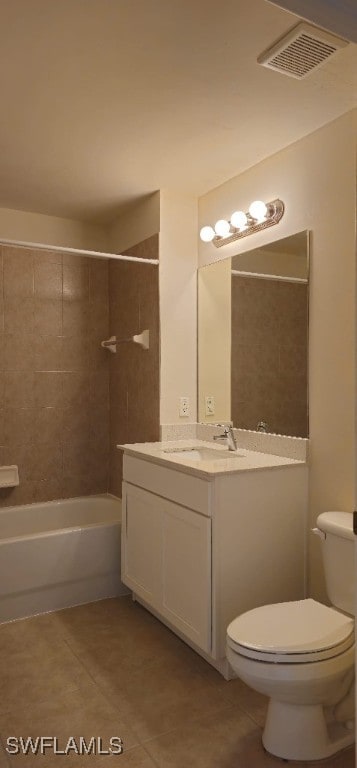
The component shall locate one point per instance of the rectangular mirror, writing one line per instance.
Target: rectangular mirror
(253, 338)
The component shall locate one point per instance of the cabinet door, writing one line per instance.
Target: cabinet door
(141, 544)
(186, 572)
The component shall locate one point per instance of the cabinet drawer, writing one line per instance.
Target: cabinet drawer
(184, 489)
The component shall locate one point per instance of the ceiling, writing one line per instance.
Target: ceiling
(105, 101)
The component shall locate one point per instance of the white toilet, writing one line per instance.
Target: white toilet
(301, 655)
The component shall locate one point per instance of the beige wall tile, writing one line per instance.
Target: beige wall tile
(18, 389)
(18, 272)
(48, 280)
(18, 315)
(75, 317)
(48, 353)
(75, 282)
(47, 389)
(18, 352)
(75, 353)
(48, 317)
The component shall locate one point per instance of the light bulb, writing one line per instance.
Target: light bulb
(222, 228)
(207, 234)
(239, 219)
(258, 210)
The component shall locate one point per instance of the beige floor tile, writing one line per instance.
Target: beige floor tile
(227, 740)
(38, 673)
(3, 760)
(84, 713)
(253, 703)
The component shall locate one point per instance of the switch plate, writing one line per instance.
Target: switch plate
(184, 408)
(210, 405)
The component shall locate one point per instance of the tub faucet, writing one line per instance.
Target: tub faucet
(228, 435)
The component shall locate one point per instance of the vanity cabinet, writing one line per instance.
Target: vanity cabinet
(198, 550)
(167, 561)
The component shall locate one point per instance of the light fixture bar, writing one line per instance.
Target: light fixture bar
(275, 211)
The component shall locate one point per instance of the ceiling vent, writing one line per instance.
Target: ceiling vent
(301, 51)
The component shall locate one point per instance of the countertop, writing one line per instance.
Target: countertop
(227, 462)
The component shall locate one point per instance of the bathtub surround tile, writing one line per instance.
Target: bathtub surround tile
(48, 353)
(47, 390)
(75, 353)
(64, 398)
(19, 426)
(76, 317)
(48, 280)
(48, 425)
(75, 281)
(18, 389)
(2, 390)
(76, 388)
(18, 351)
(98, 280)
(18, 272)
(42, 256)
(48, 316)
(18, 315)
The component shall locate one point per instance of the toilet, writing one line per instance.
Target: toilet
(301, 655)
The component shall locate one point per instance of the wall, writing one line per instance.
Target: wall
(37, 228)
(214, 340)
(137, 224)
(316, 178)
(134, 372)
(54, 378)
(178, 305)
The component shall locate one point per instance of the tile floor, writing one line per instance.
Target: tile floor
(111, 669)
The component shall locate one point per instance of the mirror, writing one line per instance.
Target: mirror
(253, 338)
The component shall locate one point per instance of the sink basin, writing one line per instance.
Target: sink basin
(201, 453)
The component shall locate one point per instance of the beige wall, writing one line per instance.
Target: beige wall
(36, 228)
(316, 179)
(136, 224)
(178, 305)
(214, 340)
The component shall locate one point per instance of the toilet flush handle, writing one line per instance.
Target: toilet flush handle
(317, 532)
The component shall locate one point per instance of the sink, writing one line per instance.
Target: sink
(201, 453)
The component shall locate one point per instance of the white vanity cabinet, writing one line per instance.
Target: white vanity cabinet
(167, 561)
(198, 549)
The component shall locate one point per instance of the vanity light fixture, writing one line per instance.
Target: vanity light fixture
(260, 216)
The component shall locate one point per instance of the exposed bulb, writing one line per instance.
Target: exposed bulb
(258, 210)
(222, 228)
(207, 234)
(239, 219)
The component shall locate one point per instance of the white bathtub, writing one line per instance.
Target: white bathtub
(59, 554)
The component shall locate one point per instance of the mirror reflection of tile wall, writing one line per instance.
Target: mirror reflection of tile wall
(253, 338)
(269, 355)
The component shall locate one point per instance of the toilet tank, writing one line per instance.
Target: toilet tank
(338, 548)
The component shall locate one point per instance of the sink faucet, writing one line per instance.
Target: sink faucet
(228, 435)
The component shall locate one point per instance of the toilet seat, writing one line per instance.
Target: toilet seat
(292, 633)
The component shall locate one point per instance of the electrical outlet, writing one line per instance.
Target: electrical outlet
(184, 409)
(210, 405)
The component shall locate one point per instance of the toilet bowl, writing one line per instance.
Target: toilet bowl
(300, 655)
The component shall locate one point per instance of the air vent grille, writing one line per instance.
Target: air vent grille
(302, 50)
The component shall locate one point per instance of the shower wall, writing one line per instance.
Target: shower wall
(134, 372)
(54, 376)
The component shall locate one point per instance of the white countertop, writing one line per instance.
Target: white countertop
(227, 462)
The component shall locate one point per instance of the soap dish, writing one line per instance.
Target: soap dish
(9, 476)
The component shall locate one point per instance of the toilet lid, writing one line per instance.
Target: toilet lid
(296, 628)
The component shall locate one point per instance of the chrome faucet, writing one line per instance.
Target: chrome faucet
(228, 435)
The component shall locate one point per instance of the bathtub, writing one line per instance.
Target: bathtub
(59, 554)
